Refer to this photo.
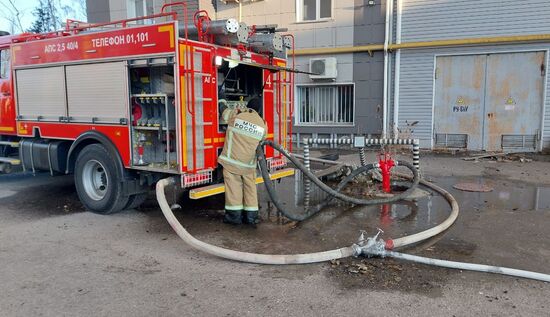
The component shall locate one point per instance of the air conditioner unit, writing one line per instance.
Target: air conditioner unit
(324, 68)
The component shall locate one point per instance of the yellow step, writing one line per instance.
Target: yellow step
(211, 190)
(12, 161)
(8, 143)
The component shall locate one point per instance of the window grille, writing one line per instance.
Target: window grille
(325, 105)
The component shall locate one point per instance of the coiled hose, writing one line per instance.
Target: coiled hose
(238, 255)
(346, 251)
(255, 257)
(334, 193)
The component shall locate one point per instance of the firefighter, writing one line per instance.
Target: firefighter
(245, 130)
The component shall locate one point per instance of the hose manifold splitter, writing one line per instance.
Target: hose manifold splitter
(369, 246)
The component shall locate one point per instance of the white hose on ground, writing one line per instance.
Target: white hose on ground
(423, 235)
(342, 252)
(468, 266)
(297, 258)
(238, 255)
(426, 234)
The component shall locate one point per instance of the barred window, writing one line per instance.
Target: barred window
(325, 104)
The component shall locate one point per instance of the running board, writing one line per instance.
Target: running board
(211, 190)
(10, 144)
(12, 161)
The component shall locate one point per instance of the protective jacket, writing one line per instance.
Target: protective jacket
(245, 130)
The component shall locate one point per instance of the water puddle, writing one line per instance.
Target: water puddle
(340, 223)
(506, 195)
(484, 219)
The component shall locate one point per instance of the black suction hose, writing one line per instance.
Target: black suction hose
(273, 192)
(335, 193)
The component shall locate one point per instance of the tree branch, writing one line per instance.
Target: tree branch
(17, 15)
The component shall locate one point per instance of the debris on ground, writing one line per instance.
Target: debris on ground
(499, 157)
(387, 275)
(515, 157)
(473, 187)
(478, 157)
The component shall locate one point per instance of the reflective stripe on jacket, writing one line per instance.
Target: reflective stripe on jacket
(245, 130)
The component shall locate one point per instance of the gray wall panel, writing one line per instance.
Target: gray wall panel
(426, 20)
(98, 11)
(368, 72)
(338, 31)
(112, 10)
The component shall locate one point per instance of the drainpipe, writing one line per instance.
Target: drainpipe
(397, 70)
(391, 59)
(240, 12)
(385, 98)
(495, 40)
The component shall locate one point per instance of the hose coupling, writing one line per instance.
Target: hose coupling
(170, 181)
(370, 246)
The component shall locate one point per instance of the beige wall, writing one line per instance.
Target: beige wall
(335, 32)
(119, 10)
(338, 31)
(112, 10)
(97, 11)
(352, 23)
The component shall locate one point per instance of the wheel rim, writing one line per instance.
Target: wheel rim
(95, 180)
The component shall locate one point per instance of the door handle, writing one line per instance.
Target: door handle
(6, 94)
(490, 115)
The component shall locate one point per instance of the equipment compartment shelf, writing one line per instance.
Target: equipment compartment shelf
(137, 127)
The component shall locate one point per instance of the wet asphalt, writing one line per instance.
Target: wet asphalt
(58, 259)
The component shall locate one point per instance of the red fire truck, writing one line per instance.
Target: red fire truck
(122, 104)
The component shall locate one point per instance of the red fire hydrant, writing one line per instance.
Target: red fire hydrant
(386, 164)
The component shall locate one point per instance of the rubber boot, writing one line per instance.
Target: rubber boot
(233, 217)
(251, 217)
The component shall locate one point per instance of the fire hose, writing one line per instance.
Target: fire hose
(372, 246)
(333, 193)
(279, 259)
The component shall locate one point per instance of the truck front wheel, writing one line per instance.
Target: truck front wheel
(98, 184)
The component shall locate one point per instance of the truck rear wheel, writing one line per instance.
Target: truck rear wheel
(98, 184)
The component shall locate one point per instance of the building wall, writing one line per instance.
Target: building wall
(417, 87)
(113, 10)
(98, 10)
(427, 20)
(369, 28)
(352, 23)
(119, 10)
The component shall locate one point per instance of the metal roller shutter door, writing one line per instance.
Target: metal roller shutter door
(97, 92)
(41, 93)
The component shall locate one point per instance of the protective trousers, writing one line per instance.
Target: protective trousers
(240, 191)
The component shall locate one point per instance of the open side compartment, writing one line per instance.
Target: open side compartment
(237, 86)
(240, 84)
(153, 119)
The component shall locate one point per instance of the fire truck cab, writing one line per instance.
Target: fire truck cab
(124, 104)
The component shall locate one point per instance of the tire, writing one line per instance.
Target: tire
(136, 200)
(98, 184)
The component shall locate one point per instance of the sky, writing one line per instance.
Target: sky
(26, 8)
